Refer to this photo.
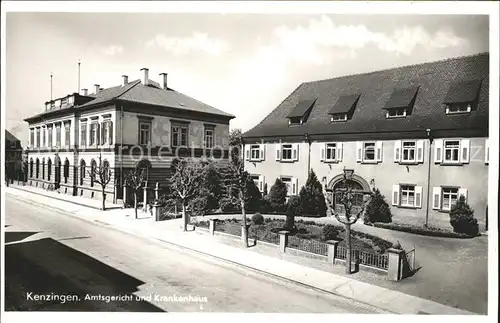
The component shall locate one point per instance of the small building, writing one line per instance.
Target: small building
(137, 124)
(13, 157)
(418, 133)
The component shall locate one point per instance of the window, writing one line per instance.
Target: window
(38, 137)
(49, 169)
(67, 134)
(94, 134)
(105, 169)
(50, 133)
(369, 151)
(339, 117)
(43, 136)
(396, 113)
(93, 170)
(444, 197)
(209, 138)
(43, 168)
(330, 151)
(31, 167)
(58, 135)
(455, 108)
(82, 171)
(295, 121)
(451, 151)
(408, 151)
(83, 134)
(286, 152)
(37, 167)
(255, 152)
(66, 170)
(179, 135)
(107, 132)
(144, 133)
(407, 195)
(32, 137)
(291, 184)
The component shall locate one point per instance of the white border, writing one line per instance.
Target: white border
(308, 7)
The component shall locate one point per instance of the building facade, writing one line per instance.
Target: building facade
(138, 124)
(417, 133)
(13, 157)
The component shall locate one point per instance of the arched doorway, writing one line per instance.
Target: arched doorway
(66, 171)
(57, 173)
(359, 186)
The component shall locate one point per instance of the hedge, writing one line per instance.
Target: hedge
(429, 231)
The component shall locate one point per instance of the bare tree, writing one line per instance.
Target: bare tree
(134, 180)
(185, 183)
(101, 174)
(346, 197)
(236, 180)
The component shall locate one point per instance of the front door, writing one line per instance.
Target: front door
(358, 195)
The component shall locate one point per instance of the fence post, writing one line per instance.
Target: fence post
(156, 211)
(145, 197)
(394, 265)
(332, 251)
(125, 201)
(157, 191)
(283, 240)
(211, 226)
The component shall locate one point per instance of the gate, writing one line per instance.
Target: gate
(408, 264)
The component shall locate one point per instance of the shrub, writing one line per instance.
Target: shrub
(254, 197)
(294, 209)
(229, 205)
(377, 209)
(199, 206)
(257, 218)
(330, 232)
(426, 231)
(277, 195)
(265, 206)
(462, 218)
(312, 198)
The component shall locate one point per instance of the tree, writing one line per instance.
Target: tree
(185, 183)
(237, 187)
(462, 218)
(293, 209)
(377, 210)
(347, 197)
(277, 195)
(134, 180)
(101, 174)
(312, 198)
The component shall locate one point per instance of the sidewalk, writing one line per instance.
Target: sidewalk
(169, 231)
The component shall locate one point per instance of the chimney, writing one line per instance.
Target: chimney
(164, 84)
(85, 92)
(97, 87)
(145, 76)
(124, 80)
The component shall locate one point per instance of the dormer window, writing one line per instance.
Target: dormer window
(396, 113)
(300, 112)
(456, 108)
(462, 96)
(400, 102)
(338, 117)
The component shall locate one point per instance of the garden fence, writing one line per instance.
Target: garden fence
(364, 257)
(312, 246)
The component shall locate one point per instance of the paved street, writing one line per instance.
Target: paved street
(50, 254)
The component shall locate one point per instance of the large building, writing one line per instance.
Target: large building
(418, 133)
(13, 157)
(138, 124)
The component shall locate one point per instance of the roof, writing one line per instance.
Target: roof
(301, 108)
(433, 79)
(401, 98)
(151, 94)
(463, 91)
(10, 137)
(345, 103)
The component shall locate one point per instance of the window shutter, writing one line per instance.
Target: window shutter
(397, 151)
(487, 151)
(98, 131)
(436, 198)
(418, 196)
(103, 126)
(395, 195)
(420, 151)
(261, 183)
(465, 148)
(295, 185)
(278, 151)
(110, 132)
(247, 152)
(295, 151)
(359, 151)
(339, 151)
(322, 152)
(380, 151)
(262, 148)
(462, 191)
(438, 150)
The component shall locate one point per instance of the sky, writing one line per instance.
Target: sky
(244, 64)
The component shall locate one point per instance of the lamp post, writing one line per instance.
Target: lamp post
(346, 196)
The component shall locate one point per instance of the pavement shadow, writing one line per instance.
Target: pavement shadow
(17, 236)
(64, 279)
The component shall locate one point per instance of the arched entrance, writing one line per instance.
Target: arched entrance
(57, 174)
(358, 185)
